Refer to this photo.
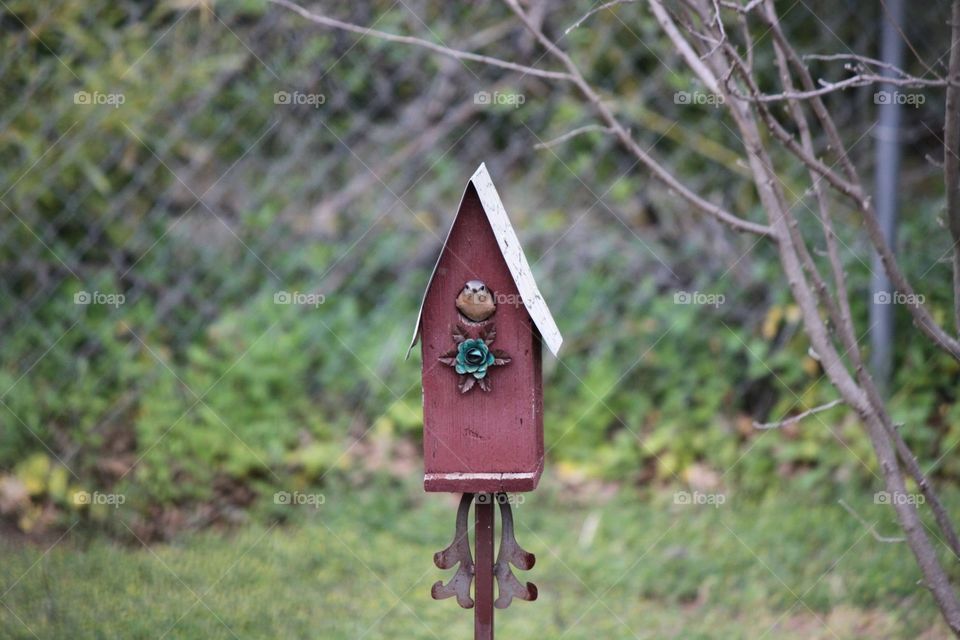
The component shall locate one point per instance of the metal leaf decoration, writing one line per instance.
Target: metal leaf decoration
(511, 553)
(457, 552)
(488, 334)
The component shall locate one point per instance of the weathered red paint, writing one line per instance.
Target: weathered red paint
(480, 442)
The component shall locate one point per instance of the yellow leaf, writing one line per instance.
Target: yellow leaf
(793, 314)
(33, 472)
(58, 482)
(772, 322)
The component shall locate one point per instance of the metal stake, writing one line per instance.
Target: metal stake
(483, 587)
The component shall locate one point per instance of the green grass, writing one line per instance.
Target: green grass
(360, 567)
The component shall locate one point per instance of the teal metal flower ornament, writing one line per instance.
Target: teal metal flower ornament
(473, 357)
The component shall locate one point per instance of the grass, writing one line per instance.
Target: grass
(359, 566)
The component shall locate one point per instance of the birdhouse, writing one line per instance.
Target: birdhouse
(482, 324)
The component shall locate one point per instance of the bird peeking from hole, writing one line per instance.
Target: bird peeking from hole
(476, 301)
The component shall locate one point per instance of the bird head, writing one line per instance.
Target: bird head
(475, 288)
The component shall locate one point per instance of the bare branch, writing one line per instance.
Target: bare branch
(573, 75)
(742, 9)
(951, 162)
(838, 307)
(869, 527)
(906, 40)
(841, 316)
(419, 42)
(657, 169)
(572, 134)
(863, 62)
(859, 80)
(603, 7)
(683, 46)
(939, 511)
(797, 418)
(921, 316)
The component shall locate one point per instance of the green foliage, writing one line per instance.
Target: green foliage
(350, 567)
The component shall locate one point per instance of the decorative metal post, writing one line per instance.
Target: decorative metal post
(483, 324)
(483, 613)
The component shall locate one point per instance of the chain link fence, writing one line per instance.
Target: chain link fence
(217, 220)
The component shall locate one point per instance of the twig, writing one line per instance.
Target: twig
(865, 61)
(419, 42)
(683, 47)
(572, 134)
(740, 8)
(896, 25)
(603, 7)
(869, 527)
(798, 417)
(859, 80)
(723, 33)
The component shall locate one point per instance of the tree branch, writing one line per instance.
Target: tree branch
(572, 134)
(603, 7)
(797, 418)
(573, 74)
(927, 325)
(658, 170)
(859, 80)
(951, 163)
(419, 42)
(869, 527)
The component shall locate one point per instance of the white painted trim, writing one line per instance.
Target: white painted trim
(512, 254)
(480, 476)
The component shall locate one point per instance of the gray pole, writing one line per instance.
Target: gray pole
(886, 190)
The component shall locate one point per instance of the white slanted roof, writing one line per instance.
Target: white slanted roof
(513, 255)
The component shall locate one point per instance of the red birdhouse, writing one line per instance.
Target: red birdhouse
(481, 324)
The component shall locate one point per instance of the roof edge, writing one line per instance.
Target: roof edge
(512, 252)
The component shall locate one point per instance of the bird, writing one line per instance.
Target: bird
(475, 301)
